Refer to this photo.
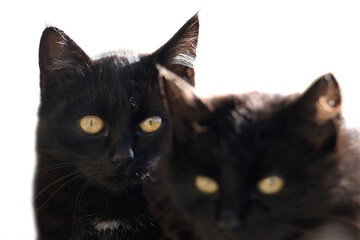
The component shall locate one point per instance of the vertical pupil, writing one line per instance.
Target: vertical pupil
(150, 121)
(91, 123)
(272, 181)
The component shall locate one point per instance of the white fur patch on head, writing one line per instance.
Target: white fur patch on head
(130, 55)
(122, 56)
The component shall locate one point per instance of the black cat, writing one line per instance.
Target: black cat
(257, 166)
(102, 127)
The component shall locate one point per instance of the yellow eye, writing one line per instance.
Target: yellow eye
(91, 124)
(206, 185)
(270, 185)
(151, 124)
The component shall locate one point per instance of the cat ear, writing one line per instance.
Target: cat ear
(320, 108)
(322, 101)
(179, 53)
(58, 54)
(180, 97)
(185, 108)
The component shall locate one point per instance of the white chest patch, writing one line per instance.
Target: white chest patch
(103, 225)
(123, 226)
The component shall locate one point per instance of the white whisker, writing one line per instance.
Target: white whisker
(57, 191)
(55, 182)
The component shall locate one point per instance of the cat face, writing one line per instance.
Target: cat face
(253, 166)
(104, 118)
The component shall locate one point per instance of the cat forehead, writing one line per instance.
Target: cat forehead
(265, 108)
(247, 108)
(126, 71)
(121, 56)
(116, 80)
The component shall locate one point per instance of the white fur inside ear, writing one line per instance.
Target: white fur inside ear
(184, 59)
(326, 109)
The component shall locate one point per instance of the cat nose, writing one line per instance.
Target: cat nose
(123, 156)
(229, 222)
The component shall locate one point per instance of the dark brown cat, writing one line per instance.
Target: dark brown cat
(258, 166)
(102, 127)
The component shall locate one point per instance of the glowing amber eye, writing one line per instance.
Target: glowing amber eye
(270, 185)
(206, 185)
(91, 124)
(151, 124)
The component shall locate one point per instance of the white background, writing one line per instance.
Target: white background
(273, 46)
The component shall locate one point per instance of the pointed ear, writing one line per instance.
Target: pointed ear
(58, 54)
(179, 53)
(185, 108)
(322, 101)
(320, 109)
(180, 97)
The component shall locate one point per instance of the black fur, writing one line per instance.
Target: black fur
(239, 139)
(78, 185)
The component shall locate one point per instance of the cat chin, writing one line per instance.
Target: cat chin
(118, 180)
(121, 184)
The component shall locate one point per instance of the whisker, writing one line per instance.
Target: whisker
(82, 194)
(77, 201)
(146, 177)
(57, 191)
(55, 182)
(58, 152)
(344, 220)
(55, 166)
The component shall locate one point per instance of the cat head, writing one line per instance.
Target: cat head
(252, 166)
(104, 118)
